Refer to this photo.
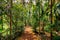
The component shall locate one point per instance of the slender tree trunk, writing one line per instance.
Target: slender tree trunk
(51, 19)
(2, 21)
(10, 24)
(10, 4)
(39, 13)
(38, 5)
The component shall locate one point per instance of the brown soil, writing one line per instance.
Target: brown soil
(28, 34)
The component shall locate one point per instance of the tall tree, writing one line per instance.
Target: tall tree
(51, 18)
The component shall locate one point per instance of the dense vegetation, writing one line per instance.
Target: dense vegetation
(42, 15)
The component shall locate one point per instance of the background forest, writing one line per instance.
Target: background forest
(43, 16)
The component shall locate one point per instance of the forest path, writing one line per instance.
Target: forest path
(28, 34)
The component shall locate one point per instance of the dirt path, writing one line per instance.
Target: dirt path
(28, 35)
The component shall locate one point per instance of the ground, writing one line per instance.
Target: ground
(28, 34)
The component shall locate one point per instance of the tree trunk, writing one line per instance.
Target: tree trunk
(2, 21)
(51, 19)
(10, 13)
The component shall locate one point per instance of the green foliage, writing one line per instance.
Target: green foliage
(30, 14)
(56, 38)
